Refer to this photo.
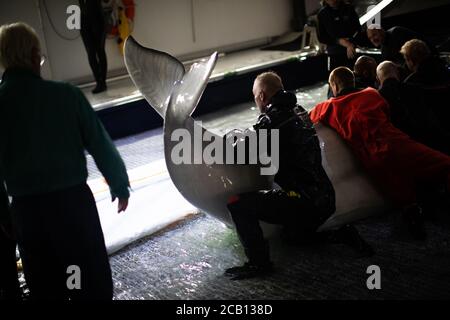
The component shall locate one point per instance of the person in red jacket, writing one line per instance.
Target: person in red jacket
(398, 164)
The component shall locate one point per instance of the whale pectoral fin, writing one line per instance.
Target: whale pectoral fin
(187, 93)
(153, 72)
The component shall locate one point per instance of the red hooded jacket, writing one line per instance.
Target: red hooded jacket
(396, 162)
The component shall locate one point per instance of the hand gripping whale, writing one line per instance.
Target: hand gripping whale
(174, 94)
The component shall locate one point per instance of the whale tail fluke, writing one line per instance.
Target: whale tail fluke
(187, 92)
(153, 72)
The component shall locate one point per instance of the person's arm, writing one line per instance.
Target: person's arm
(98, 143)
(351, 50)
(319, 113)
(353, 29)
(5, 217)
(328, 34)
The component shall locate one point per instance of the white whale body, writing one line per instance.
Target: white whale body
(174, 94)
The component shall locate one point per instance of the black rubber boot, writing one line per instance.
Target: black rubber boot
(249, 270)
(259, 264)
(350, 236)
(100, 87)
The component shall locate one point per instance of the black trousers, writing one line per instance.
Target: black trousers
(94, 37)
(56, 231)
(9, 282)
(298, 216)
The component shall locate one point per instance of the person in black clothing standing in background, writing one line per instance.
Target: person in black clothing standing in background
(93, 33)
(339, 29)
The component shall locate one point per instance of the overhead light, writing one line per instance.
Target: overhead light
(374, 11)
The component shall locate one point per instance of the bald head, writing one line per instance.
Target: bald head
(341, 78)
(387, 70)
(266, 85)
(365, 67)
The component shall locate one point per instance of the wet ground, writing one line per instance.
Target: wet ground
(187, 262)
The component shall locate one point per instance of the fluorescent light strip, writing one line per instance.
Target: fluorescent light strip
(374, 11)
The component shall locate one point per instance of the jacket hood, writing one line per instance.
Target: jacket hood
(283, 100)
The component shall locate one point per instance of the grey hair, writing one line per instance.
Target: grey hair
(17, 41)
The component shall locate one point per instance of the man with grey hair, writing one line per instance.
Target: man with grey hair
(427, 69)
(45, 127)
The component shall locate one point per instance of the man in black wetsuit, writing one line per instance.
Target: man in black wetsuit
(428, 70)
(431, 74)
(307, 196)
(409, 109)
(93, 33)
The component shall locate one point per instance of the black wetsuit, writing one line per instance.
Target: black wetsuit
(93, 33)
(433, 76)
(307, 197)
(432, 72)
(411, 113)
(9, 283)
(336, 23)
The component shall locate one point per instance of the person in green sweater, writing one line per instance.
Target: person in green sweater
(45, 128)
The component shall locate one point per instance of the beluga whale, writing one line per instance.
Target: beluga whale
(174, 94)
(197, 159)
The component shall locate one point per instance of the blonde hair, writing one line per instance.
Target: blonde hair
(416, 51)
(270, 82)
(17, 41)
